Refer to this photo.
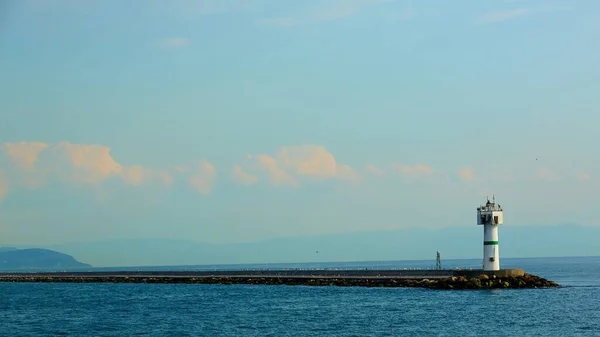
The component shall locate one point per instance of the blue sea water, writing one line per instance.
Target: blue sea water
(55, 309)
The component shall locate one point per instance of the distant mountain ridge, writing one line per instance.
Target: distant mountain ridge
(12, 259)
(402, 244)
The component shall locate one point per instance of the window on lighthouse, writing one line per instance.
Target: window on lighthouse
(495, 219)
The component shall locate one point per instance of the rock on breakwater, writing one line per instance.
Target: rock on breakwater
(483, 281)
(486, 282)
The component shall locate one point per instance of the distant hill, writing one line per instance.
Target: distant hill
(12, 259)
(6, 249)
(464, 242)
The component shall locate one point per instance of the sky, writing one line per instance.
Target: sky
(225, 121)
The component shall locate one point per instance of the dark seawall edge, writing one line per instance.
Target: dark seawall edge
(433, 279)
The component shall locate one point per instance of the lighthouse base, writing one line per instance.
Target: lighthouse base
(498, 273)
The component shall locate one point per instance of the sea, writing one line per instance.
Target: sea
(59, 309)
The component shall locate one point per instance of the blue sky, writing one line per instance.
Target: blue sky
(232, 121)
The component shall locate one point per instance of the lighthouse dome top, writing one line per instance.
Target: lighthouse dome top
(490, 206)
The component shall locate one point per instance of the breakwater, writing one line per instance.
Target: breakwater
(433, 279)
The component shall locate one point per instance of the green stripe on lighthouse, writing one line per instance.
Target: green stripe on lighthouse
(487, 243)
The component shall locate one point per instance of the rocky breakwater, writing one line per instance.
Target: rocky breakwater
(488, 282)
(455, 282)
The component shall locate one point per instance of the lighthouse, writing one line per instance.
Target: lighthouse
(490, 217)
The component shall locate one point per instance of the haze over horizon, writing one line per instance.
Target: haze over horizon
(239, 121)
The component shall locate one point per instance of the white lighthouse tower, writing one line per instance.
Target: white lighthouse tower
(490, 216)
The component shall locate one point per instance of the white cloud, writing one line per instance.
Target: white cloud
(86, 163)
(242, 177)
(137, 175)
(293, 163)
(345, 172)
(308, 160)
(547, 175)
(466, 174)
(370, 168)
(202, 178)
(24, 154)
(33, 163)
(165, 177)
(133, 175)
(277, 176)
